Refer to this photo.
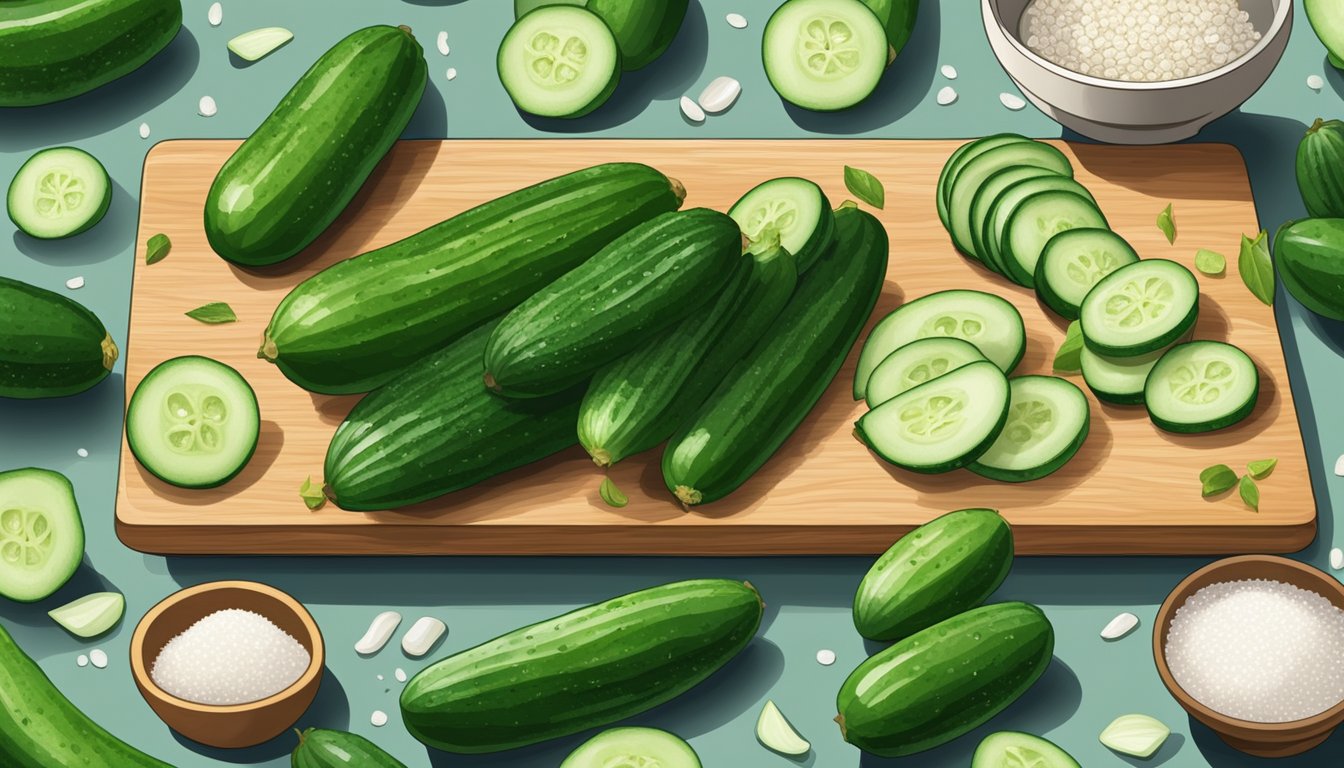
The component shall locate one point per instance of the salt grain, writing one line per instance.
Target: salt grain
(422, 636)
(1012, 101)
(82, 453)
(207, 107)
(691, 110)
(75, 283)
(230, 657)
(1315, 82)
(379, 632)
(82, 660)
(400, 674)
(1337, 559)
(443, 44)
(736, 21)
(98, 657)
(947, 95)
(378, 718)
(1120, 626)
(1339, 466)
(144, 130)
(825, 657)
(719, 95)
(215, 15)
(451, 74)
(380, 677)
(949, 71)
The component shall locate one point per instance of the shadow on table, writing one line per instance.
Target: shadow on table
(103, 241)
(46, 424)
(430, 120)
(1218, 753)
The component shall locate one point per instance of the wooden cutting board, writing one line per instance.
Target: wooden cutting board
(1132, 488)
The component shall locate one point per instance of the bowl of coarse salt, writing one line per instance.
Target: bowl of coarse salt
(1253, 647)
(228, 663)
(1138, 71)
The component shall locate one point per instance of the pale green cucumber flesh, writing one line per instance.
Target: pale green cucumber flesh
(918, 362)
(976, 172)
(559, 61)
(1048, 421)
(982, 204)
(1201, 386)
(59, 192)
(1002, 210)
(958, 160)
(824, 55)
(91, 615)
(1039, 218)
(793, 210)
(1011, 749)
(1139, 308)
(633, 748)
(1073, 262)
(41, 533)
(1118, 380)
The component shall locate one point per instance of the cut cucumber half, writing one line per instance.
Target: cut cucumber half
(982, 204)
(989, 322)
(559, 61)
(1201, 386)
(193, 422)
(259, 43)
(90, 615)
(633, 748)
(1036, 220)
(977, 171)
(775, 732)
(1048, 421)
(943, 425)
(1118, 380)
(59, 192)
(1002, 209)
(916, 363)
(1139, 308)
(792, 209)
(1073, 262)
(41, 533)
(824, 55)
(964, 154)
(1012, 749)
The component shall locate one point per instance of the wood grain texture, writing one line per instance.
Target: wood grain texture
(1132, 488)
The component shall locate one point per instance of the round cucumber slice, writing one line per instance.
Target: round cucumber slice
(824, 55)
(59, 192)
(792, 209)
(1001, 210)
(1201, 386)
(1036, 220)
(982, 205)
(1012, 749)
(193, 422)
(41, 533)
(1048, 421)
(964, 154)
(633, 748)
(1073, 262)
(559, 61)
(916, 363)
(1118, 380)
(1139, 308)
(977, 171)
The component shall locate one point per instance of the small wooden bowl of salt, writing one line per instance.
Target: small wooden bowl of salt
(228, 663)
(1250, 647)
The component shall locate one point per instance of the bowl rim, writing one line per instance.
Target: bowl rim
(1283, 11)
(1181, 593)
(139, 666)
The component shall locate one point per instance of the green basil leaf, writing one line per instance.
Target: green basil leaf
(1069, 358)
(1210, 262)
(1250, 492)
(1262, 468)
(214, 313)
(312, 494)
(157, 248)
(865, 186)
(1167, 223)
(1256, 268)
(1217, 479)
(611, 494)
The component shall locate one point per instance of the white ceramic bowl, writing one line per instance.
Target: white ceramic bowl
(1137, 113)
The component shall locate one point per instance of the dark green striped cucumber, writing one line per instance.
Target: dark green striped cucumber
(764, 398)
(1309, 255)
(898, 18)
(295, 174)
(58, 49)
(435, 429)
(637, 402)
(616, 302)
(943, 681)
(582, 670)
(321, 748)
(50, 346)
(643, 28)
(352, 326)
(1320, 169)
(40, 728)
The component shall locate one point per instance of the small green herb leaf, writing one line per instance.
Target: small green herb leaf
(214, 313)
(1250, 492)
(611, 494)
(1069, 358)
(1167, 223)
(1256, 268)
(312, 494)
(1262, 468)
(1217, 479)
(1210, 262)
(865, 186)
(157, 248)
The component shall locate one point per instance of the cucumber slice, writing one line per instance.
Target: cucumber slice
(1036, 220)
(1118, 380)
(824, 55)
(982, 204)
(916, 363)
(523, 7)
(1002, 209)
(964, 154)
(193, 422)
(1201, 386)
(989, 322)
(559, 61)
(90, 615)
(775, 732)
(792, 209)
(1073, 262)
(59, 192)
(977, 171)
(1048, 421)
(1012, 749)
(259, 43)
(633, 748)
(1141, 307)
(41, 533)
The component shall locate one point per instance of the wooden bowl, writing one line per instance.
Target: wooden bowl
(236, 725)
(1259, 739)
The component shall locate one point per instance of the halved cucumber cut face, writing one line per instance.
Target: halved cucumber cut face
(976, 172)
(917, 363)
(824, 55)
(1036, 220)
(1139, 308)
(41, 533)
(633, 748)
(559, 61)
(59, 192)
(1011, 749)
(1002, 210)
(1048, 420)
(1118, 380)
(943, 425)
(982, 204)
(793, 210)
(1073, 262)
(964, 154)
(193, 422)
(1201, 386)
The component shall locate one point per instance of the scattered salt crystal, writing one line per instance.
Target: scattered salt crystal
(231, 656)
(82, 660)
(451, 74)
(144, 130)
(443, 44)
(736, 21)
(400, 674)
(422, 636)
(946, 95)
(207, 107)
(1120, 626)
(82, 453)
(379, 632)
(378, 718)
(719, 95)
(1337, 559)
(825, 657)
(691, 110)
(1339, 466)
(949, 71)
(1012, 101)
(1315, 82)
(98, 657)
(75, 283)
(215, 15)
(380, 677)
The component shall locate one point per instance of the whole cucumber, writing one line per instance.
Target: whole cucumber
(1309, 255)
(321, 748)
(1320, 169)
(50, 346)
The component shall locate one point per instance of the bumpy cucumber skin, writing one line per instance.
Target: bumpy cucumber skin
(616, 302)
(941, 682)
(40, 728)
(97, 216)
(1309, 255)
(1320, 169)
(354, 325)
(638, 401)
(321, 748)
(643, 28)
(898, 18)
(50, 346)
(304, 164)
(1065, 454)
(58, 49)
(585, 669)
(764, 398)
(948, 565)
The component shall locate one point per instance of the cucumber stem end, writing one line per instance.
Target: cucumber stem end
(840, 720)
(490, 382)
(1316, 126)
(688, 496)
(110, 352)
(601, 456)
(678, 190)
(268, 351)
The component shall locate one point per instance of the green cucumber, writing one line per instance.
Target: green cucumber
(996, 223)
(1035, 221)
(898, 18)
(639, 400)
(321, 748)
(616, 302)
(1011, 749)
(982, 204)
(633, 748)
(1320, 169)
(764, 398)
(41, 535)
(58, 49)
(1074, 261)
(1201, 386)
(523, 7)
(50, 346)
(1139, 308)
(916, 363)
(306, 161)
(980, 169)
(950, 564)
(59, 192)
(90, 615)
(1118, 380)
(793, 210)
(1048, 421)
(352, 326)
(643, 28)
(958, 159)
(824, 55)
(1309, 255)
(40, 728)
(1327, 21)
(585, 669)
(559, 61)
(944, 681)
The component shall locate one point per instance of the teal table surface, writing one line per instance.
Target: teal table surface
(1090, 681)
